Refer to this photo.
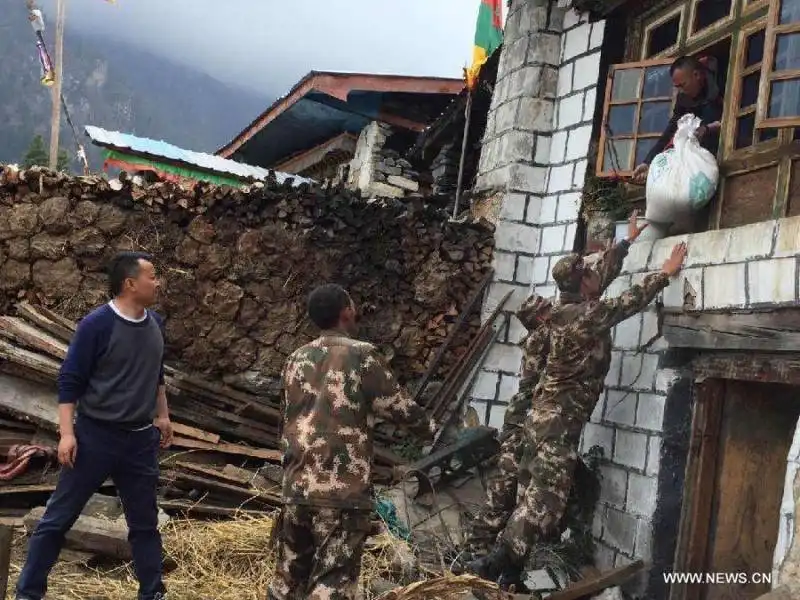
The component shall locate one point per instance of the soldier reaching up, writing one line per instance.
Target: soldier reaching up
(580, 353)
(334, 388)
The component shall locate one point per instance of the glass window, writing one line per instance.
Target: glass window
(745, 127)
(708, 12)
(790, 12)
(784, 99)
(618, 156)
(755, 49)
(787, 52)
(657, 82)
(654, 117)
(664, 36)
(749, 90)
(626, 84)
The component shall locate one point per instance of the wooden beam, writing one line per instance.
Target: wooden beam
(768, 368)
(698, 495)
(224, 448)
(774, 331)
(306, 159)
(193, 432)
(590, 587)
(91, 534)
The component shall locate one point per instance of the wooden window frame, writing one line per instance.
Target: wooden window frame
(769, 75)
(709, 29)
(608, 103)
(739, 72)
(657, 22)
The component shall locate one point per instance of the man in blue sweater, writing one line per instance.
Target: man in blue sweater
(113, 379)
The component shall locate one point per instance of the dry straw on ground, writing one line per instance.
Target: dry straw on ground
(228, 560)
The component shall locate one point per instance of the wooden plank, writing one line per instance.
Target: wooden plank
(34, 317)
(203, 483)
(705, 438)
(589, 587)
(28, 401)
(774, 331)
(6, 539)
(16, 330)
(240, 477)
(39, 488)
(191, 508)
(758, 424)
(90, 534)
(193, 432)
(225, 448)
(771, 368)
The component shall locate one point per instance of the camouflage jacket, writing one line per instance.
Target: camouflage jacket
(535, 347)
(334, 389)
(580, 339)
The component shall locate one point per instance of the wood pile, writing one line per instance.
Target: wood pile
(224, 457)
(236, 266)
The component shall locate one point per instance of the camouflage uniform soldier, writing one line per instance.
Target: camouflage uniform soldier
(335, 388)
(502, 485)
(580, 353)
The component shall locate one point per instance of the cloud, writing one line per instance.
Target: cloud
(270, 44)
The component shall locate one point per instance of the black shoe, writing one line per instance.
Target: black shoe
(491, 566)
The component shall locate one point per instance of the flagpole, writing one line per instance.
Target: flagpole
(467, 115)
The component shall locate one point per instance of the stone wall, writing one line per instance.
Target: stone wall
(534, 161)
(380, 172)
(236, 266)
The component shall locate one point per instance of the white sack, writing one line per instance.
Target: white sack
(682, 179)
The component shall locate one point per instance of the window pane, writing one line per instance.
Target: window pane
(626, 84)
(654, 116)
(797, 133)
(787, 52)
(622, 119)
(664, 36)
(784, 99)
(790, 11)
(755, 49)
(745, 126)
(709, 12)
(643, 147)
(749, 90)
(618, 155)
(764, 135)
(657, 83)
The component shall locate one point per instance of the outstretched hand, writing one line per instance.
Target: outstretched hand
(634, 230)
(674, 263)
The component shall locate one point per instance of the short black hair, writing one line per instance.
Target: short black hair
(326, 303)
(687, 62)
(124, 266)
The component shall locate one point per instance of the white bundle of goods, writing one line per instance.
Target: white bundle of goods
(682, 179)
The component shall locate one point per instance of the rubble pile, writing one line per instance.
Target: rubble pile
(237, 265)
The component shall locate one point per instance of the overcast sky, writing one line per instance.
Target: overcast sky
(270, 44)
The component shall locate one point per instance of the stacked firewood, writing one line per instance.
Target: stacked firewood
(224, 456)
(237, 265)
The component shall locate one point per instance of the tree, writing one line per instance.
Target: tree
(37, 155)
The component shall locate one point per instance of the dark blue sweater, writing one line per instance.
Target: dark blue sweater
(114, 367)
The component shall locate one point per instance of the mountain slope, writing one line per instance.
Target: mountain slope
(114, 86)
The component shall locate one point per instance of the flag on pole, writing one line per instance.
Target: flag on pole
(488, 37)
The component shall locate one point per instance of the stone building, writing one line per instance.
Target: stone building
(699, 417)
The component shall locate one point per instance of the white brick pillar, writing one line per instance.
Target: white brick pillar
(534, 158)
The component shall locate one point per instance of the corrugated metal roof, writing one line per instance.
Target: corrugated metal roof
(160, 148)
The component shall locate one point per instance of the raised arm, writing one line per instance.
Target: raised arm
(603, 315)
(609, 264)
(391, 402)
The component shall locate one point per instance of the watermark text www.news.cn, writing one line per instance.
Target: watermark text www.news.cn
(718, 578)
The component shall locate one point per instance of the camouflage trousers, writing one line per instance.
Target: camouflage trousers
(501, 488)
(550, 453)
(318, 553)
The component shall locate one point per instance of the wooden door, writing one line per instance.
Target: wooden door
(756, 426)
